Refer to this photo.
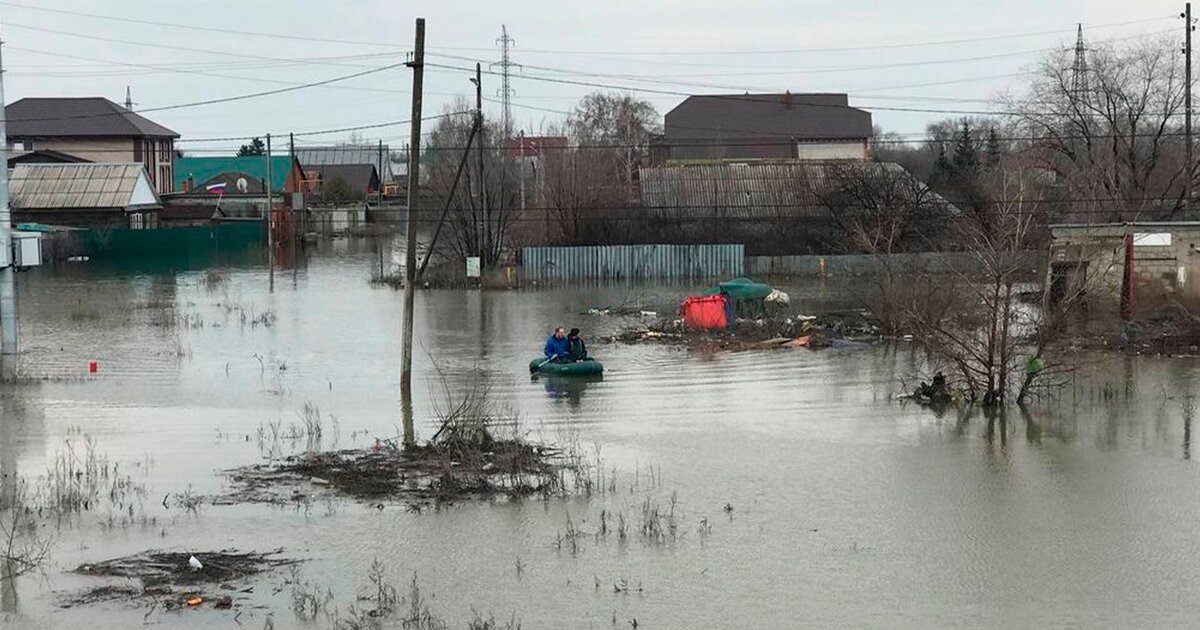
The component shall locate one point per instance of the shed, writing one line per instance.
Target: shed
(83, 195)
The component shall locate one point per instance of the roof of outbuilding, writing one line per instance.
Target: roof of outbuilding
(796, 116)
(65, 186)
(764, 189)
(78, 117)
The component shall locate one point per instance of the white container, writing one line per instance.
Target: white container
(27, 249)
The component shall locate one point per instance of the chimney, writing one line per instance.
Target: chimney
(787, 99)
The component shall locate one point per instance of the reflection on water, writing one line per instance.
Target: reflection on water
(567, 388)
(847, 507)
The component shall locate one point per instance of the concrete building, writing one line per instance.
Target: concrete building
(93, 129)
(765, 126)
(1089, 260)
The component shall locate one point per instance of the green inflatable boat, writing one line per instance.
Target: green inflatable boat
(578, 368)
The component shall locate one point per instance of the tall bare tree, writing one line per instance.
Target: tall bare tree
(1111, 135)
(621, 123)
(485, 207)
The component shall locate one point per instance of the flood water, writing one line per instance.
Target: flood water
(848, 508)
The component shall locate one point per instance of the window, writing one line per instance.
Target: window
(27, 145)
(164, 178)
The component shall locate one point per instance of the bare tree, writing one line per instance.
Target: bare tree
(880, 208)
(1111, 135)
(972, 319)
(485, 207)
(23, 548)
(620, 122)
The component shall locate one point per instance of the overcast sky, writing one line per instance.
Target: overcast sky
(672, 46)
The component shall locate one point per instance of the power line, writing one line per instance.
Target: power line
(161, 46)
(676, 79)
(694, 143)
(307, 38)
(968, 40)
(685, 94)
(210, 74)
(193, 27)
(215, 101)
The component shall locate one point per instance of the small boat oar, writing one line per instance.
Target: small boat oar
(539, 366)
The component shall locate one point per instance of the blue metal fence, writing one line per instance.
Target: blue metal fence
(632, 262)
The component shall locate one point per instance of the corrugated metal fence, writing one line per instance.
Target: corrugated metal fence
(866, 264)
(632, 262)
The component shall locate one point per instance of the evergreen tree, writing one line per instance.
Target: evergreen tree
(256, 147)
(993, 148)
(941, 166)
(966, 154)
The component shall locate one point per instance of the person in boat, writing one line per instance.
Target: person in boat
(558, 349)
(576, 349)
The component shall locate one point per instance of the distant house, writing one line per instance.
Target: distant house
(237, 175)
(84, 195)
(349, 155)
(764, 126)
(231, 188)
(359, 180)
(93, 129)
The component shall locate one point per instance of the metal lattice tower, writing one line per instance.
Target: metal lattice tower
(506, 91)
(128, 99)
(1079, 69)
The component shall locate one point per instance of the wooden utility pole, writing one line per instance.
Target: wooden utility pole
(270, 222)
(410, 253)
(480, 237)
(8, 273)
(1187, 98)
(293, 237)
(380, 173)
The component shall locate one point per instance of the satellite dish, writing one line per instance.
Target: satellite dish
(242, 185)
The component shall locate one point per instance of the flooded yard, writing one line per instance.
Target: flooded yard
(762, 489)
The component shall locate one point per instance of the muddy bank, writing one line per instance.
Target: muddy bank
(1172, 331)
(203, 579)
(797, 331)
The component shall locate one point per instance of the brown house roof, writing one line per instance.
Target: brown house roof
(78, 117)
(362, 178)
(761, 116)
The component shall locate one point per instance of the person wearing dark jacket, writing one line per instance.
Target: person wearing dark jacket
(557, 347)
(576, 349)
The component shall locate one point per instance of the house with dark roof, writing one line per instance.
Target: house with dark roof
(764, 126)
(346, 182)
(93, 129)
(378, 156)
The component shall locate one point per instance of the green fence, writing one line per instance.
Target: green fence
(181, 242)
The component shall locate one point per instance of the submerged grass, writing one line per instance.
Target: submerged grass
(478, 451)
